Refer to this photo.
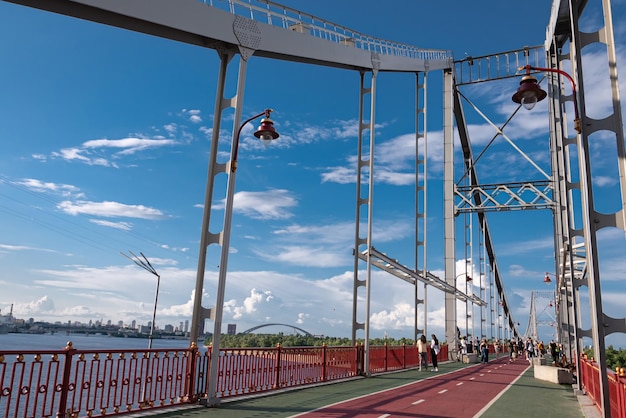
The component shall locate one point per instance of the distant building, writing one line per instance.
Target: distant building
(232, 329)
(186, 326)
(168, 328)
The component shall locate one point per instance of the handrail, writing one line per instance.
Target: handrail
(104, 382)
(590, 382)
(285, 17)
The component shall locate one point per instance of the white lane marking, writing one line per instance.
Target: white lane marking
(442, 391)
(418, 402)
(482, 374)
(384, 416)
(438, 375)
(482, 411)
(472, 378)
(459, 384)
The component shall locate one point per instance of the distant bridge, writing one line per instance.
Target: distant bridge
(248, 331)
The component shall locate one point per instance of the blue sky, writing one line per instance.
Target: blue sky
(105, 137)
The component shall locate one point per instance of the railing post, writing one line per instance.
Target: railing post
(621, 389)
(404, 356)
(386, 357)
(67, 370)
(324, 369)
(359, 359)
(192, 365)
(277, 366)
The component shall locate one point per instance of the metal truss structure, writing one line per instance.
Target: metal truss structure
(245, 29)
(549, 309)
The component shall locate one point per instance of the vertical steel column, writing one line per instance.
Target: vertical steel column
(206, 237)
(467, 248)
(421, 189)
(358, 241)
(568, 282)
(482, 276)
(448, 210)
(369, 202)
(589, 218)
(370, 223)
(225, 240)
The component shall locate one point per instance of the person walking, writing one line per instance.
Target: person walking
(434, 351)
(512, 349)
(552, 347)
(422, 349)
(484, 356)
(496, 347)
(530, 350)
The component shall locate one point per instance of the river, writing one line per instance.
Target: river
(82, 342)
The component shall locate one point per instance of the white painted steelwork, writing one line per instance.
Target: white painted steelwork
(266, 29)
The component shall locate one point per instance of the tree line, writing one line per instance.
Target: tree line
(272, 340)
(614, 358)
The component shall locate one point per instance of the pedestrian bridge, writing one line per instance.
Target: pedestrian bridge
(247, 29)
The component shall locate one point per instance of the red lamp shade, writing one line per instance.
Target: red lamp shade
(547, 279)
(266, 131)
(529, 92)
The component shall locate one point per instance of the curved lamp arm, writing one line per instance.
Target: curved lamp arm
(530, 68)
(265, 113)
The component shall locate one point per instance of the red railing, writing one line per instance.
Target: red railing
(590, 381)
(73, 382)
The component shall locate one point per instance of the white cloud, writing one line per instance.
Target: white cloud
(41, 186)
(270, 204)
(307, 256)
(42, 306)
(126, 226)
(128, 145)
(110, 209)
(402, 315)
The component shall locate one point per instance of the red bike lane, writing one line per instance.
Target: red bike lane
(459, 394)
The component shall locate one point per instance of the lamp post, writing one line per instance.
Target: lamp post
(557, 303)
(529, 92)
(265, 133)
(145, 264)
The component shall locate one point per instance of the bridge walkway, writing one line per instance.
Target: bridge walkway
(526, 396)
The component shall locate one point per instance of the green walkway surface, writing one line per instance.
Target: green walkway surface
(526, 397)
(531, 397)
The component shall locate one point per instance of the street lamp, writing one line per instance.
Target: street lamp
(145, 264)
(529, 92)
(547, 279)
(265, 133)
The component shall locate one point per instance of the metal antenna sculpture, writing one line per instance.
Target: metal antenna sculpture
(145, 264)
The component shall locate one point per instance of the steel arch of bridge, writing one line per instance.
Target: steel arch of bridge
(248, 331)
(267, 29)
